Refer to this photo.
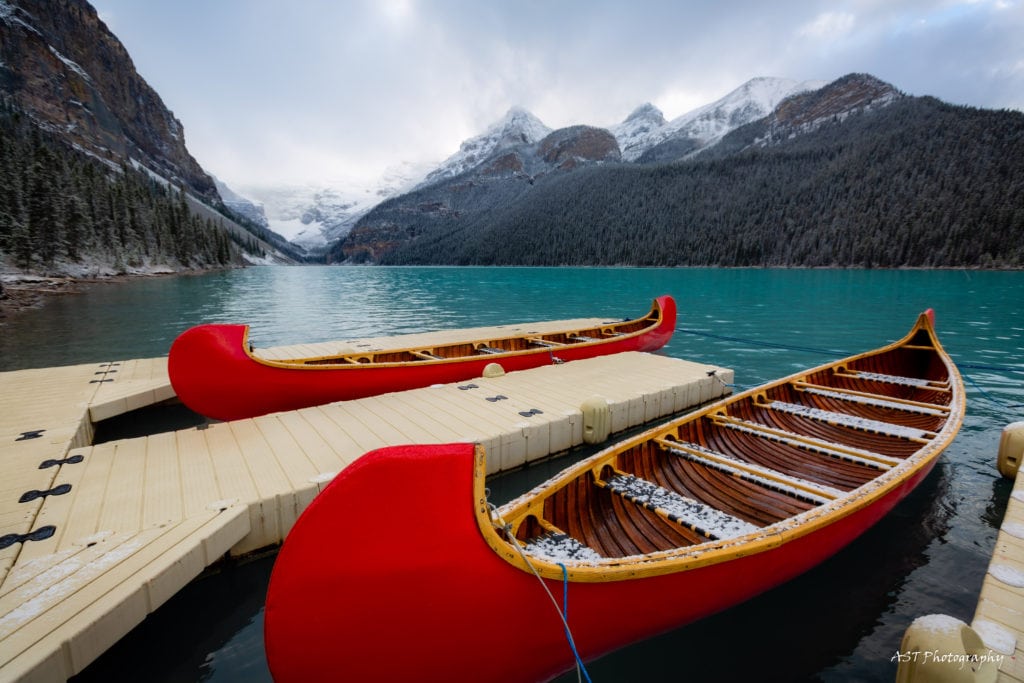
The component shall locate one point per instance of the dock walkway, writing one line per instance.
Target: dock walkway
(999, 616)
(95, 537)
(940, 648)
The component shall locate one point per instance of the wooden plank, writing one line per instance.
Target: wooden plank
(345, 448)
(322, 454)
(272, 485)
(121, 508)
(198, 478)
(65, 613)
(163, 499)
(89, 487)
(286, 450)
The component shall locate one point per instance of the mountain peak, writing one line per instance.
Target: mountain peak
(518, 126)
(853, 92)
(647, 112)
(636, 131)
(705, 125)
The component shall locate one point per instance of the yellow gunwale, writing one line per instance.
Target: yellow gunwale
(655, 316)
(712, 552)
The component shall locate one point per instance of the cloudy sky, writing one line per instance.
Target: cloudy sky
(276, 93)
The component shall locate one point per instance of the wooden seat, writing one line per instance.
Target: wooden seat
(692, 514)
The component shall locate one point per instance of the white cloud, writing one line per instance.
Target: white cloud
(271, 92)
(828, 26)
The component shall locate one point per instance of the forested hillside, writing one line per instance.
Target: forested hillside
(917, 183)
(60, 206)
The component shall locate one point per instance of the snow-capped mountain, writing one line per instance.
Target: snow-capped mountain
(755, 99)
(517, 127)
(315, 216)
(635, 133)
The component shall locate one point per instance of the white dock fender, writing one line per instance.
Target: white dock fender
(1011, 449)
(941, 649)
(597, 419)
(492, 370)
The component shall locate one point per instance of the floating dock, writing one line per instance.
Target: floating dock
(940, 648)
(95, 537)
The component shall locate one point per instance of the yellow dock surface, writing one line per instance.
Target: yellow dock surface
(95, 537)
(991, 648)
(999, 617)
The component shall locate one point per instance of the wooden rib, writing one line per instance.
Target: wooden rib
(900, 403)
(839, 419)
(626, 537)
(830, 469)
(726, 493)
(662, 534)
(816, 429)
(810, 442)
(544, 342)
(758, 474)
(916, 382)
(828, 399)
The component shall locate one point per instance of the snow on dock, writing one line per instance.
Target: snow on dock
(95, 537)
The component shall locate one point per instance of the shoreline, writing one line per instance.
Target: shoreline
(20, 292)
(25, 292)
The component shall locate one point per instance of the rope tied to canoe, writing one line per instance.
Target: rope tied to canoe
(563, 609)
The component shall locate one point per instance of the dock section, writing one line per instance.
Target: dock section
(999, 616)
(108, 532)
(991, 649)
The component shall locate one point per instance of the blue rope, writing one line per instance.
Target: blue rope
(990, 397)
(565, 617)
(994, 368)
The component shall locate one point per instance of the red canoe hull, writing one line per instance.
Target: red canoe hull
(213, 373)
(421, 595)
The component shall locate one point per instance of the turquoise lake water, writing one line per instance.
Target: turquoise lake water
(842, 621)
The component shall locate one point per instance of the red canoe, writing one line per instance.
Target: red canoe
(401, 570)
(215, 372)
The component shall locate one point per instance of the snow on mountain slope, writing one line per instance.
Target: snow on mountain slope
(315, 216)
(751, 101)
(634, 133)
(516, 127)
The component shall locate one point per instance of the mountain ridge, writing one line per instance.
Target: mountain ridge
(644, 131)
(852, 174)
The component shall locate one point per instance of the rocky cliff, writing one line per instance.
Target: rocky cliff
(60, 63)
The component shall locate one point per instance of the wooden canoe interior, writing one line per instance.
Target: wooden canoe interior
(760, 459)
(529, 342)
